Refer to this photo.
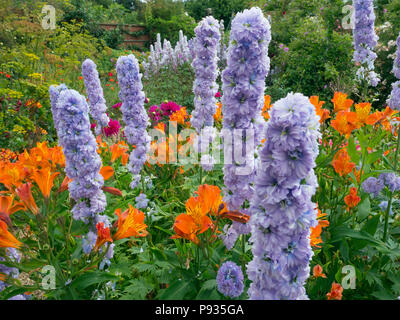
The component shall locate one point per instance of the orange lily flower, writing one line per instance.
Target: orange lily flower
(315, 236)
(318, 272)
(120, 149)
(267, 107)
(7, 240)
(211, 199)
(342, 163)
(352, 199)
(130, 224)
(363, 110)
(25, 194)
(3, 277)
(44, 179)
(336, 292)
(103, 236)
(64, 184)
(324, 114)
(179, 116)
(345, 123)
(341, 103)
(107, 172)
(7, 209)
(218, 113)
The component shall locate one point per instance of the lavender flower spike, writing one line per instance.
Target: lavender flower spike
(365, 40)
(282, 210)
(134, 113)
(95, 95)
(82, 162)
(243, 84)
(394, 99)
(205, 67)
(54, 93)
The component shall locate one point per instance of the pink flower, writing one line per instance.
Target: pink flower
(218, 95)
(112, 128)
(154, 113)
(92, 125)
(117, 106)
(168, 108)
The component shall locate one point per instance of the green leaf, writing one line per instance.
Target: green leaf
(137, 290)
(93, 277)
(364, 209)
(178, 290)
(372, 225)
(352, 151)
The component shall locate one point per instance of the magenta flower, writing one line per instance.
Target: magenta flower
(218, 95)
(155, 114)
(112, 128)
(168, 108)
(117, 106)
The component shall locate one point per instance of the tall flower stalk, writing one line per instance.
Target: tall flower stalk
(134, 114)
(95, 94)
(365, 40)
(205, 66)
(82, 162)
(282, 210)
(243, 84)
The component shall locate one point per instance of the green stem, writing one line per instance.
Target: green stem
(385, 231)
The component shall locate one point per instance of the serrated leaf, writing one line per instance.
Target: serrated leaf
(93, 277)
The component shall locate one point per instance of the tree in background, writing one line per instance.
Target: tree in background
(219, 9)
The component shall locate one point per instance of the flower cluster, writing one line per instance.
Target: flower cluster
(163, 55)
(134, 113)
(243, 86)
(14, 256)
(374, 185)
(82, 161)
(365, 40)
(230, 280)
(282, 212)
(394, 99)
(95, 94)
(205, 66)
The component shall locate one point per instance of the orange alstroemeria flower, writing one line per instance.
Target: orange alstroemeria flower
(107, 172)
(3, 277)
(336, 292)
(315, 236)
(345, 123)
(130, 224)
(341, 103)
(103, 236)
(7, 240)
(118, 150)
(211, 199)
(186, 228)
(7, 208)
(179, 116)
(267, 107)
(44, 179)
(25, 194)
(342, 163)
(324, 114)
(64, 184)
(352, 200)
(318, 272)
(362, 110)
(218, 113)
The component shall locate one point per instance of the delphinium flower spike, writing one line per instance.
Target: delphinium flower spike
(82, 162)
(282, 210)
(205, 67)
(394, 99)
(365, 40)
(134, 113)
(95, 94)
(243, 84)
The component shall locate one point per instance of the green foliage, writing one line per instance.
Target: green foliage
(219, 9)
(174, 85)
